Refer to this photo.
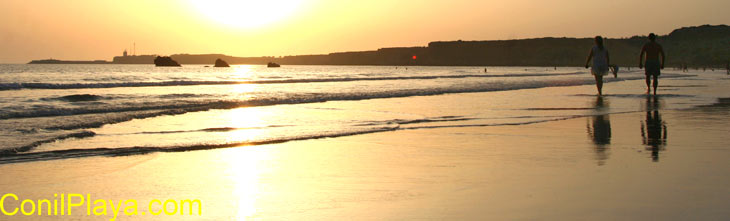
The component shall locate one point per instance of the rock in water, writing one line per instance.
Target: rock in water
(221, 63)
(166, 61)
(273, 65)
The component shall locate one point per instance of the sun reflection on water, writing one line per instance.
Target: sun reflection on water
(241, 70)
(249, 124)
(246, 164)
(243, 73)
(245, 169)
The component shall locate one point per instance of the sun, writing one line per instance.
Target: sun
(246, 13)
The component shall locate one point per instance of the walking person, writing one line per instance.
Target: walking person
(652, 50)
(600, 57)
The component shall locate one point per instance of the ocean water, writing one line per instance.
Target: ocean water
(50, 112)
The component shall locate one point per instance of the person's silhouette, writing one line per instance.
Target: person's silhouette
(601, 59)
(652, 50)
(599, 131)
(653, 129)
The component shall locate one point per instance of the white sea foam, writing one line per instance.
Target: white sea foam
(33, 85)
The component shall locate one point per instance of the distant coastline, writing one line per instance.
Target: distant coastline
(54, 61)
(701, 46)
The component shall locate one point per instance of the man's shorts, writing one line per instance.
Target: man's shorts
(653, 68)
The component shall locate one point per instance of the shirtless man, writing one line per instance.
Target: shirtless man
(653, 65)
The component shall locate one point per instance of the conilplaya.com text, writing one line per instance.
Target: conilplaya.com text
(72, 204)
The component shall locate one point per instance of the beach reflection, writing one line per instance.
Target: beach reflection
(245, 168)
(244, 173)
(653, 129)
(247, 118)
(599, 130)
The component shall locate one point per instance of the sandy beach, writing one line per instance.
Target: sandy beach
(628, 156)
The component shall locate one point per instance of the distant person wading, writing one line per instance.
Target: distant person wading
(600, 57)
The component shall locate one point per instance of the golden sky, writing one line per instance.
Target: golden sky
(101, 29)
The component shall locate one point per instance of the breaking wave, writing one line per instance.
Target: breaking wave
(18, 86)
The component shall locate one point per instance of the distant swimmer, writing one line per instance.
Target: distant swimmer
(485, 70)
(652, 50)
(600, 57)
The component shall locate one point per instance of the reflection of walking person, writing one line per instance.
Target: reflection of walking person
(654, 129)
(652, 50)
(600, 57)
(600, 131)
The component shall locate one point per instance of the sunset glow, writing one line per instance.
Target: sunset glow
(246, 13)
(37, 29)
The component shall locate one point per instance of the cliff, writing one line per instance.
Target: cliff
(705, 45)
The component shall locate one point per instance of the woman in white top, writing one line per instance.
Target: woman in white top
(599, 54)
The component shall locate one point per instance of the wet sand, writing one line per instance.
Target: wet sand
(551, 170)
(656, 162)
